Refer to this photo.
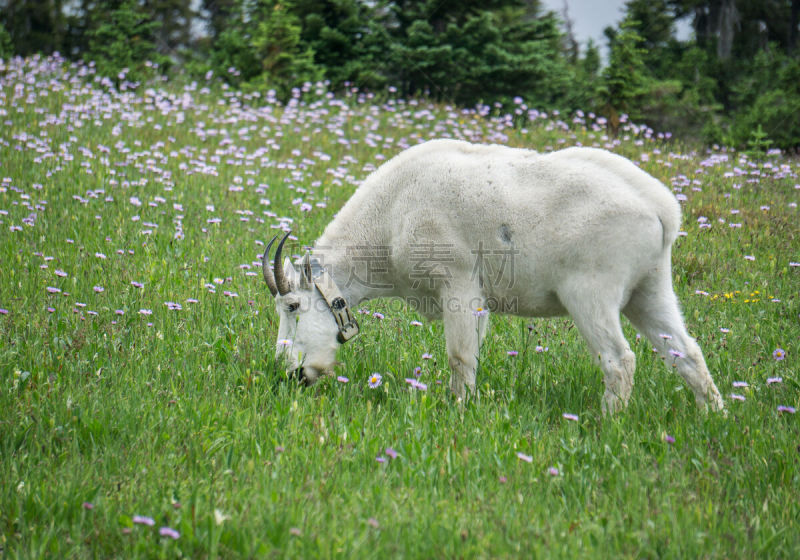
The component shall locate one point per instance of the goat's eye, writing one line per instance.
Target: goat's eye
(293, 307)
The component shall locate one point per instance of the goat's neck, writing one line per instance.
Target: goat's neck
(361, 270)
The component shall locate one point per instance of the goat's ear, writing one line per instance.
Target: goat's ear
(306, 277)
(291, 274)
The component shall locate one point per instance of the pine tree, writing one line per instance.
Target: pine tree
(6, 48)
(347, 38)
(624, 80)
(174, 18)
(470, 51)
(581, 90)
(284, 62)
(654, 22)
(504, 56)
(35, 26)
(124, 39)
(219, 15)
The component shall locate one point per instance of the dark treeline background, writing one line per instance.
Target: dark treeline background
(736, 81)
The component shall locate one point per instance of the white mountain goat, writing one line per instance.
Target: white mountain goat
(458, 230)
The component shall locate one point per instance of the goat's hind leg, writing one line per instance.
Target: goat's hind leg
(653, 309)
(596, 314)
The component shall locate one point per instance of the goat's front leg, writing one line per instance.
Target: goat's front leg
(464, 328)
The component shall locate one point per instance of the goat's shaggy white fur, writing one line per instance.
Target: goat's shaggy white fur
(580, 231)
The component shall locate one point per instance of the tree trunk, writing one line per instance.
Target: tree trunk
(727, 22)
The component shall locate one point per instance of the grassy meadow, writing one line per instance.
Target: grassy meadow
(142, 414)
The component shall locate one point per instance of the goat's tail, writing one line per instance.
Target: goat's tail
(669, 214)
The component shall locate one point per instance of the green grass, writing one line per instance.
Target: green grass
(182, 416)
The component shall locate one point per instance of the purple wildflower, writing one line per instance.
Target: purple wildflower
(553, 471)
(736, 397)
(568, 416)
(512, 353)
(669, 439)
(143, 520)
(342, 379)
(789, 409)
(771, 380)
(523, 457)
(779, 354)
(169, 532)
(416, 384)
(391, 452)
(375, 380)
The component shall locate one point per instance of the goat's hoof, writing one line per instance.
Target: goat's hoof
(612, 404)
